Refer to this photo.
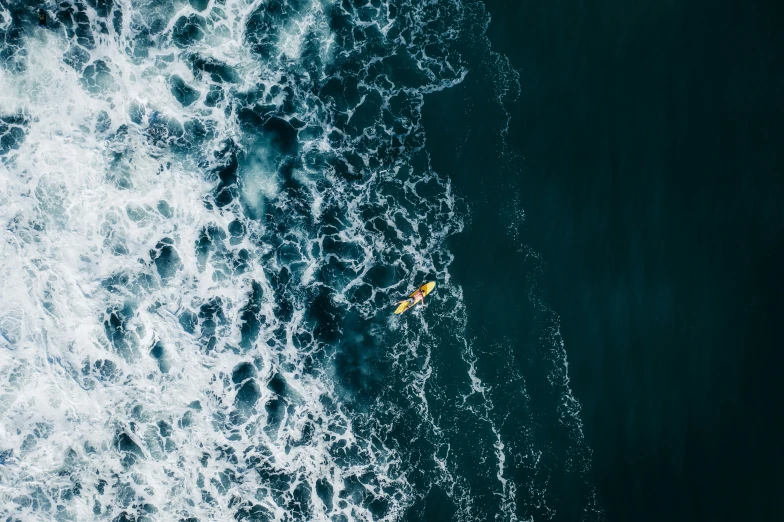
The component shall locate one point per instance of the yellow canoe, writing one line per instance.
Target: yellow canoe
(426, 289)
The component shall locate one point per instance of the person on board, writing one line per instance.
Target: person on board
(418, 297)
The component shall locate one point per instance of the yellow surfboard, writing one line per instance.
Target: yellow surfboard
(426, 289)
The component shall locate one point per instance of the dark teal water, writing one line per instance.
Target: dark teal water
(246, 188)
(645, 149)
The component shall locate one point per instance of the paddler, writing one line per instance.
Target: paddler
(418, 297)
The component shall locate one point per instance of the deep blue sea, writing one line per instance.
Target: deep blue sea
(210, 207)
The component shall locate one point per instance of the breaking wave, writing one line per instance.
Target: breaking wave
(207, 209)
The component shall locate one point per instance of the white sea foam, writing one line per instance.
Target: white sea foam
(130, 383)
(83, 219)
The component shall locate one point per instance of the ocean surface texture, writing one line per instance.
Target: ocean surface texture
(208, 209)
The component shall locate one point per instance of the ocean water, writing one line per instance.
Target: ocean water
(642, 170)
(208, 210)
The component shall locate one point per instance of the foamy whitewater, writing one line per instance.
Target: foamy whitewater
(207, 209)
